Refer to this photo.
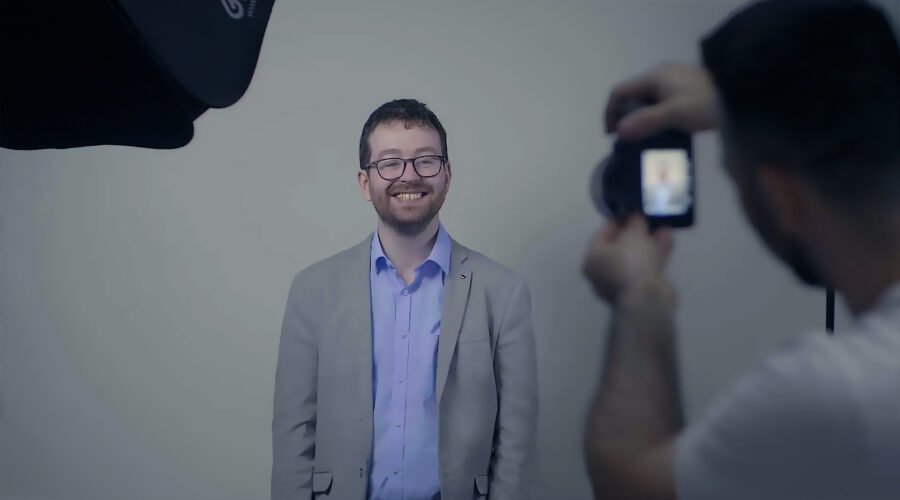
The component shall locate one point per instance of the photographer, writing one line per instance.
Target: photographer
(806, 95)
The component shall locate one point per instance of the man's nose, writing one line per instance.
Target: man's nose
(410, 174)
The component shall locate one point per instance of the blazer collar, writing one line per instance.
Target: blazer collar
(357, 323)
(457, 288)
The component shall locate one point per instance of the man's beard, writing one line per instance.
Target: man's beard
(402, 219)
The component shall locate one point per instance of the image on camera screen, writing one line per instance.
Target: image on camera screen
(665, 181)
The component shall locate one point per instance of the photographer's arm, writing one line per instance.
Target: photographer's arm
(636, 412)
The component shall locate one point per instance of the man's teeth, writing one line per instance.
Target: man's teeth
(409, 196)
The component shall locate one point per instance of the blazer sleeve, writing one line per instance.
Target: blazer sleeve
(515, 368)
(294, 415)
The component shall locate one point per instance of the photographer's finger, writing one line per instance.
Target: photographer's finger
(647, 121)
(636, 226)
(665, 238)
(642, 87)
(599, 266)
(610, 230)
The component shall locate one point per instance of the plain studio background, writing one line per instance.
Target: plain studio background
(141, 292)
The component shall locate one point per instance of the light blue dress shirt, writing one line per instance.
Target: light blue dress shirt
(406, 323)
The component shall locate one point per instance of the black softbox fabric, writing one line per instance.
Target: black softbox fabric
(124, 72)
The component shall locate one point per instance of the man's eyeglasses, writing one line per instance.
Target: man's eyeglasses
(393, 168)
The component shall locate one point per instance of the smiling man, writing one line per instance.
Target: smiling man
(406, 368)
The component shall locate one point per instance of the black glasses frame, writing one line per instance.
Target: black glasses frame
(375, 164)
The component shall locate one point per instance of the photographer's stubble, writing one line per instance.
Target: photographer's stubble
(407, 228)
(853, 248)
(761, 192)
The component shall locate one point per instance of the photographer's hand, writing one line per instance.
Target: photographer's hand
(636, 413)
(623, 257)
(685, 98)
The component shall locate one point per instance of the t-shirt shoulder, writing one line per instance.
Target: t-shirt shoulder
(794, 427)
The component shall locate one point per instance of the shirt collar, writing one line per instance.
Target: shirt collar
(379, 259)
(440, 252)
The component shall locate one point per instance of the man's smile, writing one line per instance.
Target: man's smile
(409, 196)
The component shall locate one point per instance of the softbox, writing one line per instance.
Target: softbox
(124, 72)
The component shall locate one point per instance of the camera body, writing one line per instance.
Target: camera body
(653, 177)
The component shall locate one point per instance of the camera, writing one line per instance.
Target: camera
(653, 177)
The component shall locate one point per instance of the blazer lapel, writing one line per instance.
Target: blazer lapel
(357, 322)
(457, 286)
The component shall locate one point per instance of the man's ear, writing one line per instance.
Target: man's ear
(449, 173)
(789, 197)
(363, 178)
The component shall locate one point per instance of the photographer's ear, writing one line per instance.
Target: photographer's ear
(788, 197)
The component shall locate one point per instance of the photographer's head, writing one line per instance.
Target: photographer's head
(405, 171)
(810, 117)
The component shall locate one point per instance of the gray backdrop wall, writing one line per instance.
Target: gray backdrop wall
(141, 292)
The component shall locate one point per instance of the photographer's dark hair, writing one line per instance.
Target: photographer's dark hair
(410, 112)
(813, 85)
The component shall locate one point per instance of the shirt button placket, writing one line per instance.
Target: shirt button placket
(404, 313)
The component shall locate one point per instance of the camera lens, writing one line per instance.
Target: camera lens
(597, 187)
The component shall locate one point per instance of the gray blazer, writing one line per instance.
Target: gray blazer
(486, 382)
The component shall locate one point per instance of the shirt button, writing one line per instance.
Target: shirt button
(405, 292)
(399, 381)
(396, 472)
(397, 425)
(403, 336)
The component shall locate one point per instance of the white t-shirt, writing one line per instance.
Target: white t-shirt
(819, 420)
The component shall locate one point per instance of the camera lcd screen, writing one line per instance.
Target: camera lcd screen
(665, 182)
